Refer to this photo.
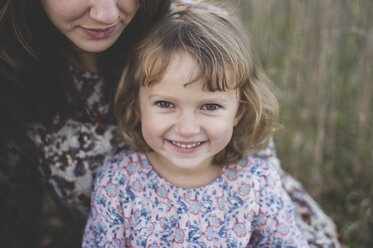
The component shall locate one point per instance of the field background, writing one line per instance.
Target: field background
(319, 54)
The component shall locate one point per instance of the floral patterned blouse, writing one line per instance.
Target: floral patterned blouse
(246, 206)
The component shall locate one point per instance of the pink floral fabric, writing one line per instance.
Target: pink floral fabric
(246, 206)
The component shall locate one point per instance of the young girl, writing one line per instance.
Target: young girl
(191, 104)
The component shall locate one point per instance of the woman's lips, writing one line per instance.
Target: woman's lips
(99, 33)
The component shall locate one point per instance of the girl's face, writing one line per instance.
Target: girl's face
(91, 25)
(186, 126)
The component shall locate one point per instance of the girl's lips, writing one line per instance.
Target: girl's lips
(186, 147)
(99, 33)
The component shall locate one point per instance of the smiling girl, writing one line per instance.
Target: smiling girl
(191, 105)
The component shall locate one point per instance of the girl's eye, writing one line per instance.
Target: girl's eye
(164, 104)
(211, 106)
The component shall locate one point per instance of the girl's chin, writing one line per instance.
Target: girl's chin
(188, 164)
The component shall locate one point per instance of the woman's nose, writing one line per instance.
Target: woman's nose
(104, 11)
(187, 125)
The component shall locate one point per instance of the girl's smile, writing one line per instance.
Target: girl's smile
(186, 147)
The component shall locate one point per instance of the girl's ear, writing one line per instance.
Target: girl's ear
(240, 112)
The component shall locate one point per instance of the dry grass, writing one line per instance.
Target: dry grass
(319, 53)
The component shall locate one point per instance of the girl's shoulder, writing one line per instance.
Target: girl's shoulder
(126, 164)
(252, 170)
(254, 166)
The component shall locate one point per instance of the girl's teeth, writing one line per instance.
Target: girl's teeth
(186, 146)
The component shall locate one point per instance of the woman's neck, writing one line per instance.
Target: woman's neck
(84, 60)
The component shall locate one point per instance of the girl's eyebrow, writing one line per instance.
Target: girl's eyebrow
(162, 97)
(220, 99)
(158, 96)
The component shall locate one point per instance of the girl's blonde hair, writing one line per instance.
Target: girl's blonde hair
(217, 42)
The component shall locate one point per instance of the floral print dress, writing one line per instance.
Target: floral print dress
(246, 206)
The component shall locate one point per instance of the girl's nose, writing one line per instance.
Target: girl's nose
(187, 125)
(104, 11)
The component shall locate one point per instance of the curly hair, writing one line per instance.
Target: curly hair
(217, 42)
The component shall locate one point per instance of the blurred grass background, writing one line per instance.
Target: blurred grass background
(319, 53)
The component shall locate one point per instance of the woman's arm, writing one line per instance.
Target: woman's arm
(20, 201)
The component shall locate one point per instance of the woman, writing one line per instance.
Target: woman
(60, 62)
(51, 53)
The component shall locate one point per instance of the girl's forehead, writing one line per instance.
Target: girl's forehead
(175, 88)
(185, 67)
(185, 64)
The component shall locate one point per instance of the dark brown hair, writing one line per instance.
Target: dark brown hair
(34, 81)
(217, 42)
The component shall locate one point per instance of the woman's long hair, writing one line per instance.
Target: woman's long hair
(34, 81)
